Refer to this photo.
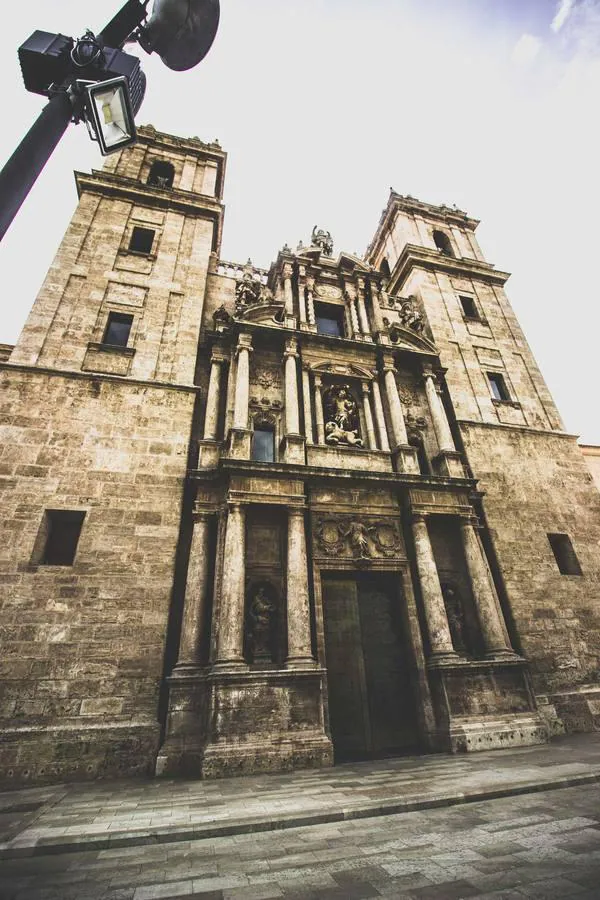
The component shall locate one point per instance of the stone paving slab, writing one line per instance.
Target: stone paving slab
(99, 816)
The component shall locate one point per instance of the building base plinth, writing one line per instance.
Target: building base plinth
(405, 460)
(449, 464)
(238, 445)
(497, 733)
(293, 449)
(576, 710)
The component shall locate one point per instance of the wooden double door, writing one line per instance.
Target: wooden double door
(372, 709)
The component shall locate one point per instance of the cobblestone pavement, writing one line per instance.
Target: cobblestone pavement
(541, 845)
(105, 815)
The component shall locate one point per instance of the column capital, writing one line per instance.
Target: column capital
(296, 510)
(287, 270)
(218, 356)
(310, 282)
(366, 387)
(301, 271)
(349, 290)
(244, 341)
(318, 379)
(470, 521)
(202, 513)
(388, 366)
(291, 347)
(418, 517)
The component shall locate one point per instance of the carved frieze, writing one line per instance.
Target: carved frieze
(328, 291)
(361, 540)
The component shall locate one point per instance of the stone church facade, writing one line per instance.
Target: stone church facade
(257, 520)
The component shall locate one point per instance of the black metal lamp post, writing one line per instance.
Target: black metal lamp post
(91, 78)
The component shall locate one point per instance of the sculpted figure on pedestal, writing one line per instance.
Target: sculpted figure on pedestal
(261, 624)
(342, 424)
(321, 238)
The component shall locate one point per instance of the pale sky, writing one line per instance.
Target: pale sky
(323, 105)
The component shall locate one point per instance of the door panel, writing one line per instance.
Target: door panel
(345, 669)
(371, 702)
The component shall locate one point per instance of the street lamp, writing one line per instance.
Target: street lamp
(91, 78)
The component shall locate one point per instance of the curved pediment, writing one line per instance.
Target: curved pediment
(407, 339)
(347, 370)
(270, 313)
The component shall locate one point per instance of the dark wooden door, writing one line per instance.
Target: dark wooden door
(371, 701)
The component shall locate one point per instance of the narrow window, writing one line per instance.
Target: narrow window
(565, 556)
(498, 386)
(384, 268)
(263, 444)
(117, 330)
(330, 319)
(141, 240)
(442, 242)
(468, 307)
(161, 174)
(63, 528)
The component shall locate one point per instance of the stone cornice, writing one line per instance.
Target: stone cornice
(414, 256)
(147, 134)
(446, 214)
(134, 190)
(315, 473)
(527, 429)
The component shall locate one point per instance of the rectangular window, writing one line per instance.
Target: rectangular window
(263, 444)
(141, 240)
(330, 319)
(468, 307)
(565, 556)
(117, 330)
(498, 386)
(63, 528)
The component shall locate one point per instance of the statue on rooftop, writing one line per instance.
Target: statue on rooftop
(321, 238)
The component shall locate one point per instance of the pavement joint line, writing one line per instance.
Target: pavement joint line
(254, 824)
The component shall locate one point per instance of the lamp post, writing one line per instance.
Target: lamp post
(91, 78)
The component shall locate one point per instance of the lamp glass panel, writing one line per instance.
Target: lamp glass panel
(112, 115)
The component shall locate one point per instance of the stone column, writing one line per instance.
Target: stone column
(365, 325)
(493, 628)
(211, 419)
(440, 638)
(298, 607)
(308, 428)
(368, 416)
(230, 625)
(301, 298)
(230, 400)
(353, 316)
(242, 383)
(310, 303)
(376, 307)
(287, 289)
(196, 593)
(319, 415)
(438, 414)
(399, 435)
(380, 416)
(292, 415)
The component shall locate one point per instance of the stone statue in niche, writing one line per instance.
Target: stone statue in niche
(342, 425)
(322, 239)
(456, 616)
(410, 315)
(261, 626)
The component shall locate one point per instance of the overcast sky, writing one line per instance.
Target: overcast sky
(323, 105)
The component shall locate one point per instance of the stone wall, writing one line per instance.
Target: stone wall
(83, 645)
(536, 483)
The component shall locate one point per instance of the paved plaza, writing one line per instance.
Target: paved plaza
(510, 824)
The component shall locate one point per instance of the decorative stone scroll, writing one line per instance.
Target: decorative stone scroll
(346, 536)
(250, 292)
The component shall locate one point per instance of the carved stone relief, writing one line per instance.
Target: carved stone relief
(346, 536)
(328, 291)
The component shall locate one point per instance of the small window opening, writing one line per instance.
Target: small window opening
(384, 268)
(498, 386)
(565, 556)
(263, 443)
(117, 330)
(442, 242)
(161, 174)
(63, 528)
(330, 319)
(141, 240)
(468, 307)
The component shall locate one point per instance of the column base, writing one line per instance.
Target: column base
(230, 665)
(450, 464)
(300, 662)
(238, 445)
(293, 449)
(208, 454)
(504, 653)
(405, 460)
(443, 659)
